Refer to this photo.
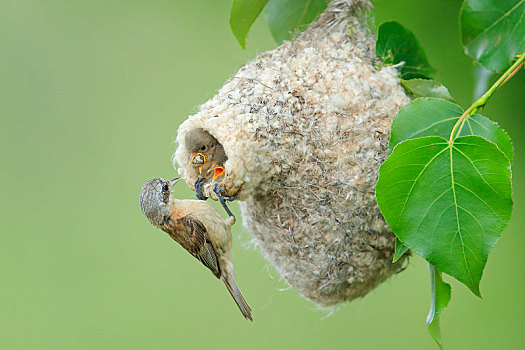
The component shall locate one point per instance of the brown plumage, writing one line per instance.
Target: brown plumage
(198, 228)
(207, 158)
(205, 152)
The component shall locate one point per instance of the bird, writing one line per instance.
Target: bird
(207, 157)
(202, 145)
(198, 228)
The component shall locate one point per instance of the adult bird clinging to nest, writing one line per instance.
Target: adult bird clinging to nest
(198, 228)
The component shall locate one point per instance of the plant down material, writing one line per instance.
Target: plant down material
(305, 128)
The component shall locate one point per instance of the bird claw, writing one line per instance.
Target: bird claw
(198, 190)
(219, 192)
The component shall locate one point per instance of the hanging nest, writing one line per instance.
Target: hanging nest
(305, 128)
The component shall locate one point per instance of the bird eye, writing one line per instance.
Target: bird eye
(204, 147)
(165, 188)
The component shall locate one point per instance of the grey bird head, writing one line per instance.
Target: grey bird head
(155, 200)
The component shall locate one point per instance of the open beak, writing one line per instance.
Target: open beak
(198, 158)
(174, 181)
(217, 171)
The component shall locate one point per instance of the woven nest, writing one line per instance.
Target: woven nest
(305, 128)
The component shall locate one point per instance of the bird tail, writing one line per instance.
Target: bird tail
(229, 281)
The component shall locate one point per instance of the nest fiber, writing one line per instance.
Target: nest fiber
(305, 128)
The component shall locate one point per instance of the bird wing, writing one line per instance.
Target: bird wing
(198, 243)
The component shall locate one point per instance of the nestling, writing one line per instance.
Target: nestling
(202, 145)
(198, 228)
(207, 158)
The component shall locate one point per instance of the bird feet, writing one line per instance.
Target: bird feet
(198, 190)
(219, 192)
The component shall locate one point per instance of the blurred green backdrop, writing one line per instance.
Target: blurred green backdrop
(91, 95)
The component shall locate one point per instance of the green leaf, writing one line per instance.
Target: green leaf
(447, 202)
(426, 88)
(398, 45)
(493, 31)
(480, 125)
(285, 17)
(400, 250)
(435, 117)
(242, 16)
(440, 292)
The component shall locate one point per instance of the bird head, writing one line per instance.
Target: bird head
(200, 145)
(155, 199)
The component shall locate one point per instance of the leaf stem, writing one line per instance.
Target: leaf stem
(480, 102)
(433, 314)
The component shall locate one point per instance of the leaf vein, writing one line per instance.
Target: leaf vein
(457, 217)
(418, 176)
(477, 170)
(478, 197)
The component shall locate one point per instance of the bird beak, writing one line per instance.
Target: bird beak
(201, 160)
(174, 181)
(217, 171)
(197, 155)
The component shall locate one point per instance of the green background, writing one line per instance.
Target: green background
(91, 95)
